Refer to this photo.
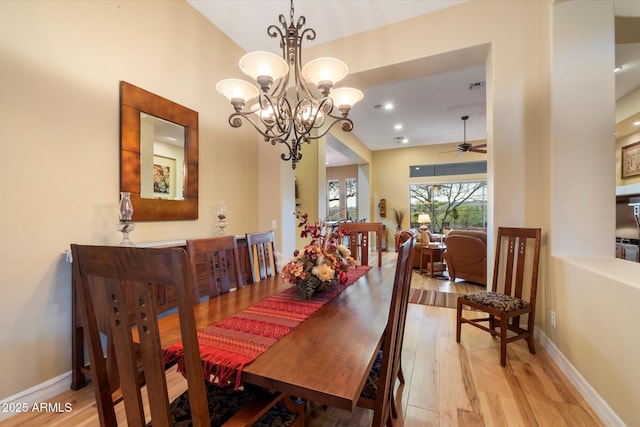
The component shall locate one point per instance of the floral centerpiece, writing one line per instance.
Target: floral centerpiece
(322, 264)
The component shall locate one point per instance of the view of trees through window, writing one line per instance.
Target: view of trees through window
(351, 198)
(450, 205)
(333, 192)
(348, 205)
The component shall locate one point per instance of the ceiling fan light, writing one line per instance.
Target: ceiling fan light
(325, 70)
(267, 64)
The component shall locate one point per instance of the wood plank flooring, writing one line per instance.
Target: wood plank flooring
(447, 384)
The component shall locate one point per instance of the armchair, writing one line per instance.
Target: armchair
(466, 255)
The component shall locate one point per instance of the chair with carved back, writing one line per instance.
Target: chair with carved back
(378, 392)
(513, 291)
(117, 284)
(402, 237)
(262, 255)
(358, 233)
(216, 262)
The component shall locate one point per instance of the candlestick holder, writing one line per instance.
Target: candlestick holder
(222, 218)
(126, 225)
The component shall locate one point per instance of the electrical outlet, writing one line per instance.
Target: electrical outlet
(274, 224)
(552, 318)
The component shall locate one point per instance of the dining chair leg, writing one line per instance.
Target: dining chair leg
(492, 325)
(458, 320)
(503, 341)
(401, 374)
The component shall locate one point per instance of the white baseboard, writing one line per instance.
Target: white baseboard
(595, 401)
(36, 394)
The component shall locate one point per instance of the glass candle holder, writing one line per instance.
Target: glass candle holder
(222, 218)
(126, 212)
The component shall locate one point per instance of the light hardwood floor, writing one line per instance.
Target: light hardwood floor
(447, 384)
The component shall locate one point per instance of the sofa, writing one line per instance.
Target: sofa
(466, 255)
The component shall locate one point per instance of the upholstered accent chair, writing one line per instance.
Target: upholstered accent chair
(466, 255)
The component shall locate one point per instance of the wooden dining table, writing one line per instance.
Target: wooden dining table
(326, 358)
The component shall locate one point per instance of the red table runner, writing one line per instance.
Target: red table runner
(227, 346)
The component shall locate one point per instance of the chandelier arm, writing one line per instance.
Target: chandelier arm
(306, 126)
(266, 104)
(346, 126)
(293, 151)
(308, 33)
(235, 121)
(273, 31)
(283, 115)
(302, 87)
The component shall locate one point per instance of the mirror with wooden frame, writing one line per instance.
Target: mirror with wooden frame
(158, 156)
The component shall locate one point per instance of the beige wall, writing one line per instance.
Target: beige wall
(391, 180)
(517, 87)
(61, 67)
(595, 296)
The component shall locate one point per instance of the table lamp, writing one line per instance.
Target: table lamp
(423, 219)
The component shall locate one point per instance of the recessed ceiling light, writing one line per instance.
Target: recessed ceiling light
(405, 140)
(387, 106)
(618, 68)
(398, 126)
(637, 123)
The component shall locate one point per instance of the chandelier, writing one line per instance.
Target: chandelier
(297, 115)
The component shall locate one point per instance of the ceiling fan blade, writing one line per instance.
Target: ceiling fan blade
(480, 146)
(460, 153)
(478, 150)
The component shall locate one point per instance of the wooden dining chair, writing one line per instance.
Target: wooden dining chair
(117, 285)
(378, 392)
(215, 261)
(358, 233)
(262, 255)
(513, 291)
(403, 236)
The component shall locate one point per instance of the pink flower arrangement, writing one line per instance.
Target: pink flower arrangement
(322, 264)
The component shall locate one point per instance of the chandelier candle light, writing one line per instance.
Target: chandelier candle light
(273, 116)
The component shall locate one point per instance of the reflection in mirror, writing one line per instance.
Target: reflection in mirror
(161, 158)
(627, 80)
(158, 156)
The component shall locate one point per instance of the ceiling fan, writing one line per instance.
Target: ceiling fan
(465, 146)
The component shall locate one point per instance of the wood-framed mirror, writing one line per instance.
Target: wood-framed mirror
(158, 156)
